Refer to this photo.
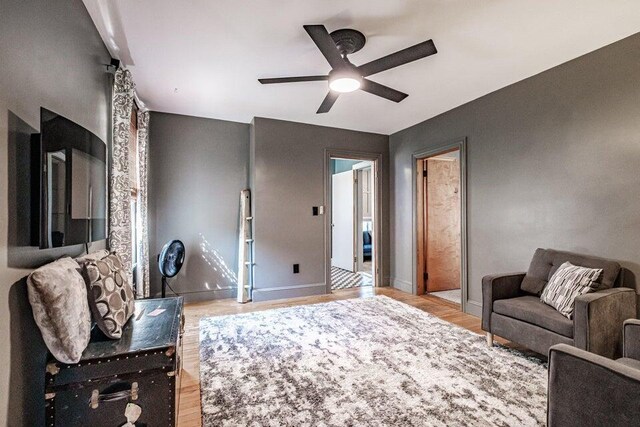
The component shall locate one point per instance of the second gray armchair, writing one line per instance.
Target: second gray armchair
(590, 390)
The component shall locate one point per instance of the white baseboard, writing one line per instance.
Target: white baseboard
(402, 285)
(281, 292)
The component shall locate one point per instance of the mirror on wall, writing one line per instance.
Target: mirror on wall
(73, 205)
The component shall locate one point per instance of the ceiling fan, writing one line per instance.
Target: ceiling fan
(346, 77)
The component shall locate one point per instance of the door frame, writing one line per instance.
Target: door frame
(376, 170)
(358, 170)
(354, 206)
(459, 144)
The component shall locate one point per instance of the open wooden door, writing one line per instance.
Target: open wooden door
(439, 228)
(443, 224)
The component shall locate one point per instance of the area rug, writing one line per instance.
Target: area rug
(361, 362)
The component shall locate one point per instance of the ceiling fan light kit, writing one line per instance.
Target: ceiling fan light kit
(344, 81)
(345, 77)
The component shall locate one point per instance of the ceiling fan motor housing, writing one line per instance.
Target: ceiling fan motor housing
(348, 41)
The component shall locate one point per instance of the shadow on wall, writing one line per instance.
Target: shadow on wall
(21, 233)
(28, 361)
(28, 351)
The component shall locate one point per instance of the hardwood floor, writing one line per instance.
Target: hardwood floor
(189, 414)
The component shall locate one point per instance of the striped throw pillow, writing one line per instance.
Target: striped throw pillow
(568, 283)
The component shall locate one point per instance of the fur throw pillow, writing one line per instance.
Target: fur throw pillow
(58, 297)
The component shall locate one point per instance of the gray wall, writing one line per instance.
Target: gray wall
(197, 168)
(51, 56)
(287, 181)
(553, 162)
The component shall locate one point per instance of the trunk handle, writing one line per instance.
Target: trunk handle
(96, 397)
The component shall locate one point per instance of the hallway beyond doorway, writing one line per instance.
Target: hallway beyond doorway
(352, 223)
(344, 279)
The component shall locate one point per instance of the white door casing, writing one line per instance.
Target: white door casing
(363, 210)
(342, 214)
(358, 220)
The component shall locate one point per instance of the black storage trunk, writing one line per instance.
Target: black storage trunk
(142, 368)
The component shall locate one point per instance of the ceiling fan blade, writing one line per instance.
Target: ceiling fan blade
(293, 79)
(382, 90)
(401, 57)
(325, 43)
(328, 102)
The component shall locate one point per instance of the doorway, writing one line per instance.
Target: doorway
(439, 202)
(361, 253)
(352, 223)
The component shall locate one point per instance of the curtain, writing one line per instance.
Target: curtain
(119, 185)
(143, 158)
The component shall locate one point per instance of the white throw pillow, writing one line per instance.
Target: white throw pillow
(567, 283)
(58, 297)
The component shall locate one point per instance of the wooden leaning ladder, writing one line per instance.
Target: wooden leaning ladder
(245, 248)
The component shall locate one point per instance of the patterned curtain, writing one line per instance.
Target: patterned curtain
(120, 189)
(143, 158)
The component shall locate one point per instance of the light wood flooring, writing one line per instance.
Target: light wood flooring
(189, 414)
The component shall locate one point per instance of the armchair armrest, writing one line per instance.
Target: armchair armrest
(495, 287)
(598, 319)
(587, 389)
(631, 339)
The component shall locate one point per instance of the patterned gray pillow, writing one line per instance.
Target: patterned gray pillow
(110, 295)
(568, 283)
(58, 297)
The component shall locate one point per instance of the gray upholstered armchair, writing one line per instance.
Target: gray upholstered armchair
(590, 390)
(511, 307)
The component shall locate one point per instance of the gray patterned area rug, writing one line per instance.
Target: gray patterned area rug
(361, 362)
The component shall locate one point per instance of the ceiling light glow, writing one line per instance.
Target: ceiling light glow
(344, 84)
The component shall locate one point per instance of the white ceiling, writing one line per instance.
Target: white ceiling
(213, 51)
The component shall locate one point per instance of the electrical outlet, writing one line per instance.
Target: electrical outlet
(296, 268)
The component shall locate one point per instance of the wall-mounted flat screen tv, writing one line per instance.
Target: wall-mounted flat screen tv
(73, 184)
